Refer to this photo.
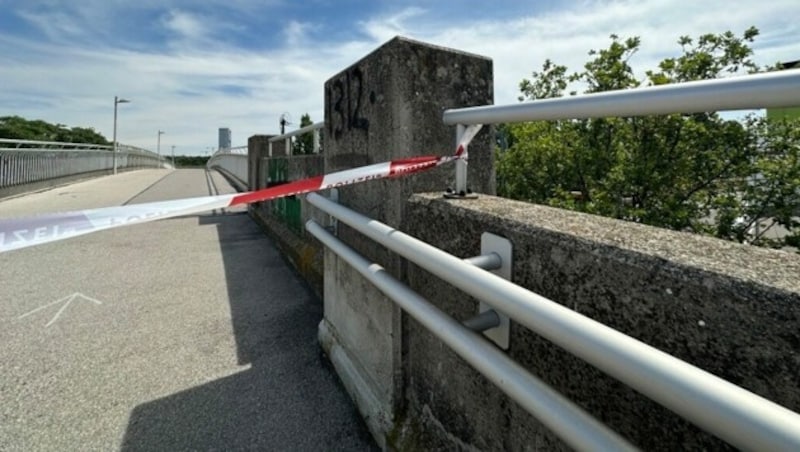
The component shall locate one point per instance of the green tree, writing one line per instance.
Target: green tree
(304, 144)
(696, 172)
(190, 161)
(15, 127)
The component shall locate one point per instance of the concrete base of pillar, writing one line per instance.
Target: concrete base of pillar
(377, 415)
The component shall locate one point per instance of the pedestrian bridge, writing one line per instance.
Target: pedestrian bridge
(452, 318)
(191, 333)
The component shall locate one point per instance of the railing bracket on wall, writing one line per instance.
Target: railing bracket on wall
(484, 321)
(491, 261)
(333, 223)
(452, 194)
(496, 253)
(460, 191)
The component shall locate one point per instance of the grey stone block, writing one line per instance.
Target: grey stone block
(389, 106)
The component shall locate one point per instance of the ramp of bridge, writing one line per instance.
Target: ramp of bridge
(189, 333)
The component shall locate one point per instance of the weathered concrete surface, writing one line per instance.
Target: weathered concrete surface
(731, 309)
(388, 106)
(257, 149)
(204, 338)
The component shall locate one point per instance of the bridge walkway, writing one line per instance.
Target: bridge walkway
(188, 333)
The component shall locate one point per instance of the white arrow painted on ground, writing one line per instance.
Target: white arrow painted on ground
(66, 300)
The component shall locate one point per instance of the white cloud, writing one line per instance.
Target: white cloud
(386, 27)
(198, 82)
(185, 25)
(520, 46)
(55, 26)
(296, 33)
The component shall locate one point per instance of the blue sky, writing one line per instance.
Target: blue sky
(190, 67)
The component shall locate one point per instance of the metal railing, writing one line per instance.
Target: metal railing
(579, 429)
(239, 150)
(9, 143)
(24, 162)
(739, 417)
(768, 90)
(732, 413)
(287, 137)
(231, 161)
(235, 163)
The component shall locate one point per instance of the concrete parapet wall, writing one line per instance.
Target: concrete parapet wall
(304, 253)
(389, 106)
(731, 309)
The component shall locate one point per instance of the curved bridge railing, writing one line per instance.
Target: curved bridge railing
(27, 165)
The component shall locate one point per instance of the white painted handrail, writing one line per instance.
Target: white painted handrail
(734, 414)
(300, 131)
(287, 138)
(11, 143)
(772, 89)
(24, 162)
(233, 164)
(573, 425)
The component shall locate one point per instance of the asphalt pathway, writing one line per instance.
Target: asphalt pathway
(183, 334)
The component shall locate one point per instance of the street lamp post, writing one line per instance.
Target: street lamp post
(117, 101)
(158, 146)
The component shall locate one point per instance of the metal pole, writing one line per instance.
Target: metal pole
(116, 102)
(461, 165)
(158, 145)
(115, 150)
(772, 89)
(174, 165)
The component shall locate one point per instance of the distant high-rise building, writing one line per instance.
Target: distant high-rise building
(224, 138)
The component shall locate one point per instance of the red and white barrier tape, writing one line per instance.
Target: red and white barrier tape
(18, 233)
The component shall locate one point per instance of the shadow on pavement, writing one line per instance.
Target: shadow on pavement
(289, 398)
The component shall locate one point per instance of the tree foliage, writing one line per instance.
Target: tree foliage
(15, 127)
(189, 161)
(696, 172)
(304, 144)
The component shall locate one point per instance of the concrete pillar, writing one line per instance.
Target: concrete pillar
(387, 106)
(257, 149)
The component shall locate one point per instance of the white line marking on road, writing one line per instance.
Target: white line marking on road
(66, 300)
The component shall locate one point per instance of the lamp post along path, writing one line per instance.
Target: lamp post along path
(115, 150)
(158, 145)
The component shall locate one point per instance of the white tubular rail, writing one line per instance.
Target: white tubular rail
(24, 162)
(9, 143)
(234, 164)
(737, 416)
(773, 89)
(573, 425)
(287, 137)
(234, 150)
(238, 150)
